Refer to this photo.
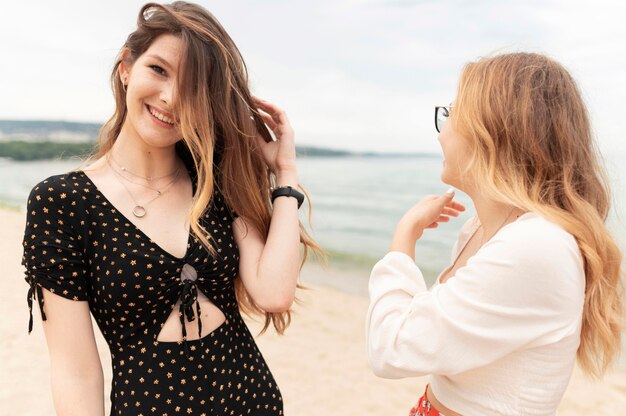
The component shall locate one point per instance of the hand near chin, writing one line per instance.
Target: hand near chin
(427, 213)
(280, 154)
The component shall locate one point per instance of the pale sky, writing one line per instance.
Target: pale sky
(351, 74)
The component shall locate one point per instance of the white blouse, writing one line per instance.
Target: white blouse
(500, 336)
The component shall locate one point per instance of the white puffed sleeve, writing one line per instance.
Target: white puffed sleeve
(524, 288)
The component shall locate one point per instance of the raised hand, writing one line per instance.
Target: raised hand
(427, 213)
(280, 154)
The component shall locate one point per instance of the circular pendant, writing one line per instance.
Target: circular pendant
(139, 211)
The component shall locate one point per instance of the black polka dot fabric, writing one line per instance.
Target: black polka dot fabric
(78, 246)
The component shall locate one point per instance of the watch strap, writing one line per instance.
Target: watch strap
(288, 191)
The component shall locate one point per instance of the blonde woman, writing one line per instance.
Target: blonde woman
(170, 231)
(534, 281)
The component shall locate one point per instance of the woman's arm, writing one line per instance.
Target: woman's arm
(269, 269)
(75, 370)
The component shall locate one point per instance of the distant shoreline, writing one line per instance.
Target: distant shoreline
(27, 150)
(54, 139)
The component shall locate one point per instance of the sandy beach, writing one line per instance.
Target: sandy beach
(320, 363)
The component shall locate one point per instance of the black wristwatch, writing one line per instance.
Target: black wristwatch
(288, 191)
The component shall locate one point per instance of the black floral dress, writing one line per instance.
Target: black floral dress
(78, 246)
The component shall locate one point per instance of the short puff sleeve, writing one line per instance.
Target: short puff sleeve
(53, 255)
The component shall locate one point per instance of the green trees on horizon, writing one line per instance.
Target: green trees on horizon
(27, 150)
(22, 150)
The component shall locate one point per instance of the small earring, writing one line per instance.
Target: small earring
(124, 85)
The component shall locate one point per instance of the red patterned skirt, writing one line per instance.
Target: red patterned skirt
(424, 408)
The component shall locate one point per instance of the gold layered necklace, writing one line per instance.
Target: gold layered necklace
(146, 178)
(139, 210)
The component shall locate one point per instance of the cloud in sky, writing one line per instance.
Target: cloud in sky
(352, 74)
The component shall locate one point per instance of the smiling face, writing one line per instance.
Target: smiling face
(151, 92)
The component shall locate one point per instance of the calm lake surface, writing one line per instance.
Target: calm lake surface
(356, 202)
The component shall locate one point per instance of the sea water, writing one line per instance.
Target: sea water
(356, 203)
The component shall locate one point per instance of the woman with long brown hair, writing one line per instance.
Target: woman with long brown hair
(186, 214)
(535, 278)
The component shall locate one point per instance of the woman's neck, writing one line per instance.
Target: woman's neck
(143, 160)
(494, 215)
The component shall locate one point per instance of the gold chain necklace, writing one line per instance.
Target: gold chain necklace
(139, 210)
(453, 265)
(147, 178)
(482, 237)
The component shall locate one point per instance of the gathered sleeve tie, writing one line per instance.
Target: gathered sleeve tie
(34, 291)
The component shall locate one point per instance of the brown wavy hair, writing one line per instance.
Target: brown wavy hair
(216, 116)
(532, 146)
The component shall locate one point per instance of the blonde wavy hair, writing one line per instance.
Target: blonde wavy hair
(531, 146)
(217, 117)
